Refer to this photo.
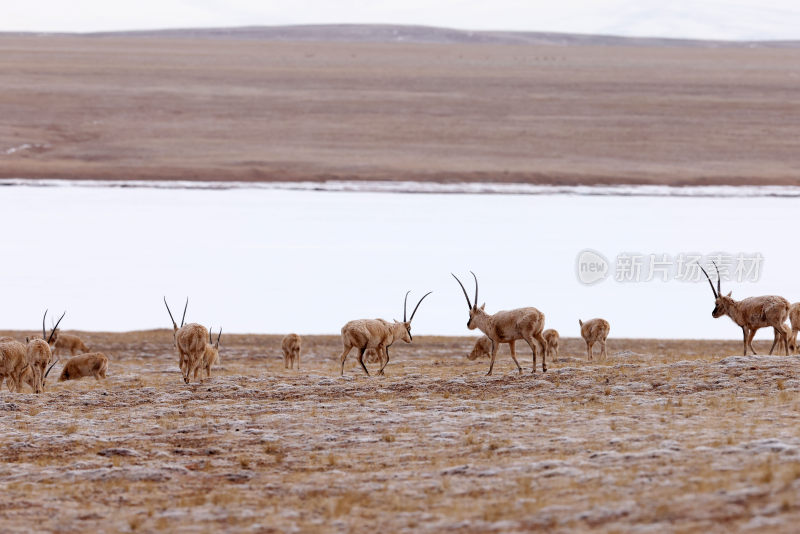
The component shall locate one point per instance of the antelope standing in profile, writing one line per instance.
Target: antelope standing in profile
(190, 340)
(92, 364)
(291, 351)
(377, 334)
(751, 313)
(211, 355)
(71, 343)
(507, 327)
(38, 353)
(551, 338)
(595, 331)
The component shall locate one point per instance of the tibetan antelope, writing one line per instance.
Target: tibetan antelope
(751, 313)
(211, 355)
(377, 334)
(791, 329)
(71, 343)
(91, 364)
(13, 364)
(551, 338)
(38, 353)
(190, 340)
(481, 349)
(595, 331)
(291, 351)
(507, 327)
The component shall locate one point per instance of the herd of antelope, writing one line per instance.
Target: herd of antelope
(30, 363)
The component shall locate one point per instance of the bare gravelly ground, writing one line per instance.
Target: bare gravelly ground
(663, 436)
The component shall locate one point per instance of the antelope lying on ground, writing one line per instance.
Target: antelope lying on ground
(71, 343)
(291, 351)
(38, 354)
(507, 327)
(190, 340)
(551, 338)
(92, 364)
(752, 313)
(595, 331)
(482, 348)
(377, 334)
(211, 355)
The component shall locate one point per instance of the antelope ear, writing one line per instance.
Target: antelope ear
(483, 306)
(730, 293)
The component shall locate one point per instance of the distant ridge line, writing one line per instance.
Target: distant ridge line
(387, 33)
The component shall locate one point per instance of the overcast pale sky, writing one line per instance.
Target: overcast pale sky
(702, 19)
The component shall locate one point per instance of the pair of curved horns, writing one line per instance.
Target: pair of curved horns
(717, 292)
(405, 302)
(470, 305)
(170, 313)
(53, 331)
(210, 341)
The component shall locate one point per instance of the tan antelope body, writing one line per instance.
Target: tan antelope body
(551, 338)
(71, 343)
(752, 313)
(291, 351)
(91, 364)
(790, 329)
(507, 327)
(190, 340)
(39, 354)
(13, 363)
(378, 334)
(595, 331)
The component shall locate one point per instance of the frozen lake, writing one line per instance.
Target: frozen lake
(274, 261)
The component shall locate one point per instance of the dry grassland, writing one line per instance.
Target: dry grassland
(122, 107)
(664, 436)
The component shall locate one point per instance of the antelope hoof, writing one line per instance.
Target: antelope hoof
(186, 379)
(544, 369)
(519, 369)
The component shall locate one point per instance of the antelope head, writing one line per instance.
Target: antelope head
(406, 332)
(722, 303)
(214, 346)
(174, 325)
(474, 310)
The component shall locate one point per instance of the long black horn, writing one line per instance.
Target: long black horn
(44, 330)
(417, 306)
(476, 288)
(719, 278)
(170, 313)
(184, 311)
(51, 367)
(469, 304)
(49, 339)
(709, 280)
(405, 302)
(219, 336)
(209, 335)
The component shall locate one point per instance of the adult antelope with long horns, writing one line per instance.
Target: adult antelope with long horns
(507, 327)
(38, 353)
(377, 334)
(751, 313)
(190, 340)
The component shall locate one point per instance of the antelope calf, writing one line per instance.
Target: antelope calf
(71, 343)
(190, 340)
(376, 334)
(595, 331)
(291, 351)
(551, 339)
(507, 327)
(481, 349)
(752, 313)
(91, 364)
